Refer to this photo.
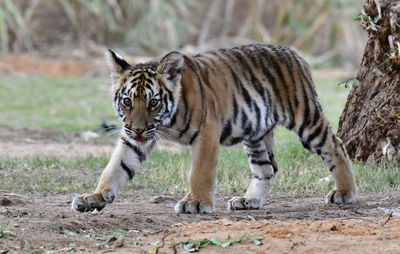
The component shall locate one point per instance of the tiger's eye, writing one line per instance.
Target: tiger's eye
(127, 102)
(153, 103)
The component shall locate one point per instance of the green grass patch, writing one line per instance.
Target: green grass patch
(299, 173)
(71, 104)
(39, 175)
(196, 245)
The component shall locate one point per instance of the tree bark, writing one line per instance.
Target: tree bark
(370, 123)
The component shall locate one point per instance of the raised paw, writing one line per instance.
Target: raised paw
(194, 206)
(242, 203)
(340, 197)
(87, 203)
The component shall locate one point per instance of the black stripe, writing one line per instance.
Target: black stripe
(315, 134)
(256, 153)
(185, 107)
(195, 70)
(289, 68)
(173, 120)
(324, 137)
(252, 145)
(262, 178)
(269, 76)
(116, 97)
(166, 111)
(332, 168)
(258, 117)
(123, 90)
(130, 173)
(244, 119)
(306, 145)
(258, 139)
(247, 97)
(247, 131)
(213, 63)
(206, 69)
(226, 131)
(194, 137)
(235, 108)
(238, 84)
(135, 149)
(271, 155)
(260, 162)
(271, 58)
(253, 79)
(235, 140)
(221, 58)
(241, 87)
(275, 168)
(316, 115)
(187, 125)
(306, 114)
(291, 124)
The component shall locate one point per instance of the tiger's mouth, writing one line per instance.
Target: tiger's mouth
(140, 138)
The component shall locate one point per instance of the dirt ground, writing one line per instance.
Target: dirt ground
(141, 223)
(145, 222)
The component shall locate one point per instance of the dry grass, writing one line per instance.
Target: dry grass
(322, 28)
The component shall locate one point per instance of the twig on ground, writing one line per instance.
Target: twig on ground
(179, 219)
(387, 220)
(251, 217)
(163, 241)
(369, 220)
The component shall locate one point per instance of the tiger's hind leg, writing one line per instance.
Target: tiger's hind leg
(263, 169)
(320, 139)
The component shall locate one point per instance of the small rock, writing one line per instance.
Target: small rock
(160, 199)
(87, 135)
(119, 243)
(5, 202)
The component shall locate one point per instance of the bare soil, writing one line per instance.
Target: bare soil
(140, 223)
(145, 222)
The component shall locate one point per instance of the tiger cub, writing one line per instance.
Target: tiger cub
(220, 97)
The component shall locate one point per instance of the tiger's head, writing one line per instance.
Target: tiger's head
(145, 96)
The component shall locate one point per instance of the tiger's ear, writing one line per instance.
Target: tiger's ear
(117, 64)
(171, 65)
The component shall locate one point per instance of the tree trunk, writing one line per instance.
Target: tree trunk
(370, 123)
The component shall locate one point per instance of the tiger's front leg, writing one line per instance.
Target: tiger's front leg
(203, 172)
(125, 162)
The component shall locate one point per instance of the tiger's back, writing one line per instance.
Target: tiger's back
(250, 89)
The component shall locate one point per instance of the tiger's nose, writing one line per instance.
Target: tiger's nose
(138, 131)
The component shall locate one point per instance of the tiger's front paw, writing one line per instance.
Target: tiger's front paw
(194, 206)
(87, 203)
(242, 203)
(340, 197)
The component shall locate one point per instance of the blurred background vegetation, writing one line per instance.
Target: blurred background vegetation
(323, 30)
(74, 31)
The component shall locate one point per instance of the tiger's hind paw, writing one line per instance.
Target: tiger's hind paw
(340, 197)
(242, 203)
